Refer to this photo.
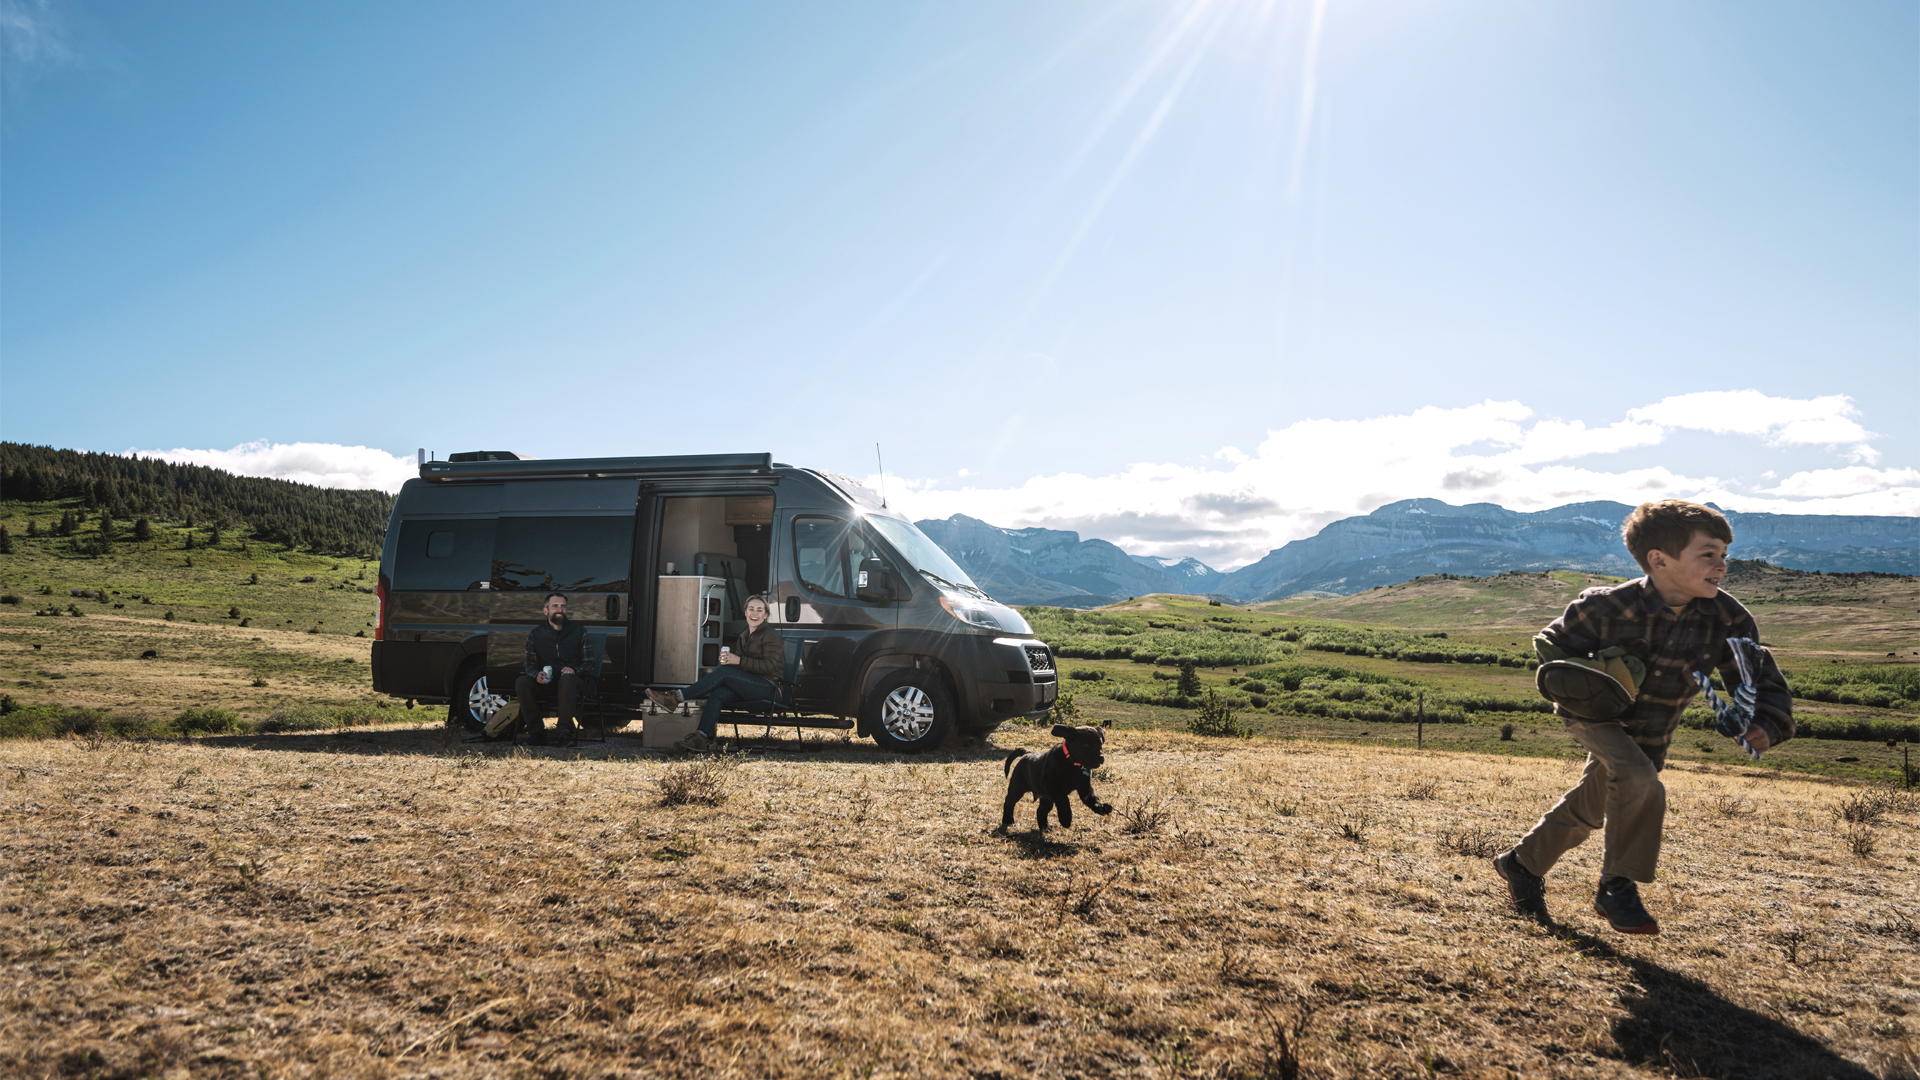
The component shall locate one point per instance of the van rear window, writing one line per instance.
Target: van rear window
(563, 554)
(443, 556)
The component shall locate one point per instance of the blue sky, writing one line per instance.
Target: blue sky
(1194, 277)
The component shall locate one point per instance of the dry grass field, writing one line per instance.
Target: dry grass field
(393, 902)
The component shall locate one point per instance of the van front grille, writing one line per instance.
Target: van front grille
(1039, 658)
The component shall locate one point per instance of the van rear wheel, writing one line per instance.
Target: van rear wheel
(474, 702)
(909, 712)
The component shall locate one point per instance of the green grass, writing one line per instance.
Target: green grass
(1883, 686)
(202, 584)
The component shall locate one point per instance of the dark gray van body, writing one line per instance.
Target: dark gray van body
(474, 546)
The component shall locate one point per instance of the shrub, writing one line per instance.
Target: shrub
(1215, 717)
(1143, 818)
(233, 613)
(9, 599)
(1506, 730)
(1473, 841)
(206, 721)
(700, 782)
(300, 718)
(1086, 674)
(1064, 709)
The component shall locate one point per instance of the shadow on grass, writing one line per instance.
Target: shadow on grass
(619, 745)
(1682, 1025)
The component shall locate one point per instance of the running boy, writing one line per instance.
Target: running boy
(1652, 633)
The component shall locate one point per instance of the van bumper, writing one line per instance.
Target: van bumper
(1020, 690)
(1006, 700)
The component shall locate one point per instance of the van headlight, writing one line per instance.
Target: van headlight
(985, 614)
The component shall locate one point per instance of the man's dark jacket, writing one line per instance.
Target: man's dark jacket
(567, 647)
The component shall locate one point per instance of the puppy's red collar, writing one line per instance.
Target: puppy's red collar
(1068, 754)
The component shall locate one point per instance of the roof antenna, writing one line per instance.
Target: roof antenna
(883, 475)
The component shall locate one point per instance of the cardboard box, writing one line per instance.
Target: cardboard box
(661, 730)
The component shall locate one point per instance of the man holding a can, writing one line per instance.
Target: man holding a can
(558, 666)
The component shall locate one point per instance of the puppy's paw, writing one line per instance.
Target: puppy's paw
(1103, 809)
(1000, 831)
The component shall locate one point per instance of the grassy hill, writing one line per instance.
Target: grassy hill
(126, 489)
(222, 616)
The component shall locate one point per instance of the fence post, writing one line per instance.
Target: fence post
(1420, 723)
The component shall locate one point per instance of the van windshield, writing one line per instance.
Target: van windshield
(926, 556)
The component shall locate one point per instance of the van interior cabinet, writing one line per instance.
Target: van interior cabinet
(691, 617)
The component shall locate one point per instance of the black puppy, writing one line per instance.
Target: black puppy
(1055, 774)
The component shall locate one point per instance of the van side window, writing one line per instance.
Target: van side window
(440, 555)
(819, 554)
(563, 554)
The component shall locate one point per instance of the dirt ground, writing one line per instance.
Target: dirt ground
(395, 902)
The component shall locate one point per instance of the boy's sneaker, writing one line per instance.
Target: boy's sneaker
(665, 699)
(1528, 889)
(1618, 902)
(695, 743)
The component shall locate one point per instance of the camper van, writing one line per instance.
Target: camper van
(656, 556)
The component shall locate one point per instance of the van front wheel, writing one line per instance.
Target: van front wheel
(474, 702)
(909, 712)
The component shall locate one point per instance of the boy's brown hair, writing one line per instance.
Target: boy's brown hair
(1669, 525)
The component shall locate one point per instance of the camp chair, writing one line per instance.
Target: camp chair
(584, 706)
(775, 710)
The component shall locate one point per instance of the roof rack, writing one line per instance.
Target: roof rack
(683, 465)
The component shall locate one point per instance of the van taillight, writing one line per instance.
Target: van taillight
(380, 624)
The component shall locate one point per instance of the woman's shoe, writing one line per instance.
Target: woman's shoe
(665, 699)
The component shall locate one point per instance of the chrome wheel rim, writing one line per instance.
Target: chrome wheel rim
(483, 703)
(907, 714)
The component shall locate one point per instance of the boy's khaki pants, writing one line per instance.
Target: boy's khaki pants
(1620, 788)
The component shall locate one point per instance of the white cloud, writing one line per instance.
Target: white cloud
(1834, 483)
(1317, 471)
(320, 464)
(1820, 421)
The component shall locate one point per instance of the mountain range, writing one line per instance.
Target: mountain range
(1397, 542)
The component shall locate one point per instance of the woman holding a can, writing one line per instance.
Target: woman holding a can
(749, 673)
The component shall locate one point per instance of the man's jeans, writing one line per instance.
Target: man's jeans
(565, 689)
(1621, 790)
(721, 688)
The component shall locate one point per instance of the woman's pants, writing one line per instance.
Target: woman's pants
(722, 688)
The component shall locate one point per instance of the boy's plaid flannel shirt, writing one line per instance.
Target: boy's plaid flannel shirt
(1673, 647)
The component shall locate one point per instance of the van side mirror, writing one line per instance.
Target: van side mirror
(875, 582)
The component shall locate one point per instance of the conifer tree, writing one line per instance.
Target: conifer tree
(143, 529)
(6, 541)
(1189, 680)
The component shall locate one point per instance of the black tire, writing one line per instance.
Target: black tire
(909, 712)
(474, 702)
